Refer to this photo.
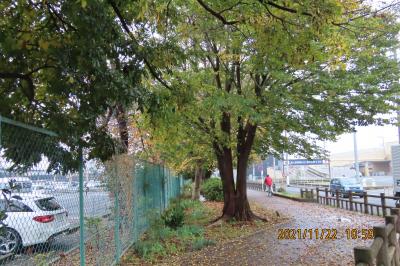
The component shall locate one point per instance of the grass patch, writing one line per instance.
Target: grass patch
(162, 244)
(288, 194)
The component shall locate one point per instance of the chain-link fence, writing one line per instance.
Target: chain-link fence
(57, 209)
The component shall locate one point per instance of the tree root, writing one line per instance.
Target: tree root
(215, 220)
(223, 218)
(256, 217)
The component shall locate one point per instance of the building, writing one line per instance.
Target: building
(372, 162)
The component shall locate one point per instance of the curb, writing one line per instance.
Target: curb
(292, 198)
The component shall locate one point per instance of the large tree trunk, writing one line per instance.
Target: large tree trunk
(198, 177)
(236, 204)
(122, 127)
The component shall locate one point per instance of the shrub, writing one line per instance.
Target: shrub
(160, 233)
(201, 243)
(212, 189)
(173, 217)
(190, 204)
(189, 231)
(187, 190)
(281, 189)
(149, 249)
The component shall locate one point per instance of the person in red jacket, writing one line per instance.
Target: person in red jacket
(268, 185)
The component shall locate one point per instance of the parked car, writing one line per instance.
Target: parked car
(346, 185)
(368, 182)
(43, 187)
(21, 184)
(31, 219)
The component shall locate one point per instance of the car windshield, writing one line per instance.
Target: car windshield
(48, 204)
(350, 181)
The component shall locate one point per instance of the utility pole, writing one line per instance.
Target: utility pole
(273, 166)
(356, 165)
(398, 96)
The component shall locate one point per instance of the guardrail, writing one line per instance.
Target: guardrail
(384, 250)
(349, 204)
(255, 186)
(309, 183)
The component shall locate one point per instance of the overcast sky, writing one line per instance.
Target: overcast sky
(367, 137)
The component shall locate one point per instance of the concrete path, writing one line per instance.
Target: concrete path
(264, 247)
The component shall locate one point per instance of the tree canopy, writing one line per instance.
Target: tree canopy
(267, 77)
(66, 66)
(215, 80)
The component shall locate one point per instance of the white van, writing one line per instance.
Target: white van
(22, 184)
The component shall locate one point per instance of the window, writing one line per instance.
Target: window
(14, 206)
(48, 204)
(2, 205)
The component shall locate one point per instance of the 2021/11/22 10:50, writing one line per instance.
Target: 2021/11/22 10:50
(324, 233)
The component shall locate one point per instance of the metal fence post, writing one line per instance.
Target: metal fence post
(116, 226)
(81, 213)
(164, 198)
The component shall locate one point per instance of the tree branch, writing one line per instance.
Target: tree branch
(63, 22)
(30, 93)
(284, 8)
(124, 25)
(217, 14)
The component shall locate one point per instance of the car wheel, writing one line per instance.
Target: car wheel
(10, 241)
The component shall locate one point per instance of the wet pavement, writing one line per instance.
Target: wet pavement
(308, 220)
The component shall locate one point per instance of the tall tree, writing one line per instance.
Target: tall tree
(267, 76)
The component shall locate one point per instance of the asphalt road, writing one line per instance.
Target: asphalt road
(95, 203)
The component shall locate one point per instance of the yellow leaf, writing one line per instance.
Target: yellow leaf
(44, 45)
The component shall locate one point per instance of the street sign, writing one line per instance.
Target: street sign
(306, 162)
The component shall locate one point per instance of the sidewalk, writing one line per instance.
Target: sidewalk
(263, 248)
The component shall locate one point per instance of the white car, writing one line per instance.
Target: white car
(31, 219)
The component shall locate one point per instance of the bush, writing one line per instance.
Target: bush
(212, 189)
(149, 249)
(201, 243)
(281, 189)
(173, 217)
(160, 233)
(187, 190)
(190, 204)
(189, 231)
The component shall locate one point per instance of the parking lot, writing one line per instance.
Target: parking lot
(97, 203)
